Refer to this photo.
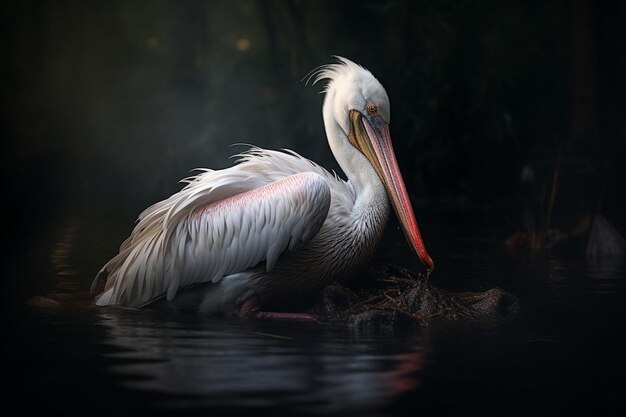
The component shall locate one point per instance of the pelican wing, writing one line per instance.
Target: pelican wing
(206, 232)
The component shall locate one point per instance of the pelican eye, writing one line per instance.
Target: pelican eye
(372, 108)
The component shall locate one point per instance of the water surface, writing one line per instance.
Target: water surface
(563, 355)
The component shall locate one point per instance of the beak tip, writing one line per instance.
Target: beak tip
(430, 267)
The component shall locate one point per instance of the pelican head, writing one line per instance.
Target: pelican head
(357, 116)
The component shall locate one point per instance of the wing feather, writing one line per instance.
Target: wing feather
(196, 239)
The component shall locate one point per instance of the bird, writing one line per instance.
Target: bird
(273, 230)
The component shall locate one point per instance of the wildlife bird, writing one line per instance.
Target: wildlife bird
(275, 228)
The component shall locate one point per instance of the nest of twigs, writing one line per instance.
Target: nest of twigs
(396, 296)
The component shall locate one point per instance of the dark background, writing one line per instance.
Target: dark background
(107, 104)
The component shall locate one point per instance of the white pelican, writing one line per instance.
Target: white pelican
(276, 227)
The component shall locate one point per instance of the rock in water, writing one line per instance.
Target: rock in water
(604, 241)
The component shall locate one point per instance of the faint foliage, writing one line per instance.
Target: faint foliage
(478, 89)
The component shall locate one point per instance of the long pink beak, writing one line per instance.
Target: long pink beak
(372, 137)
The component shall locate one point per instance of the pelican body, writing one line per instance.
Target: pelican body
(275, 228)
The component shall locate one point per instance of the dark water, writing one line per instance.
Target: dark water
(563, 355)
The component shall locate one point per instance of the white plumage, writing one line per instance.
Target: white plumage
(274, 226)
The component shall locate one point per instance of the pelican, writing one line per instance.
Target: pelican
(274, 229)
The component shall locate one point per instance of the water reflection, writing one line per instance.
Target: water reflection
(234, 363)
(171, 361)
